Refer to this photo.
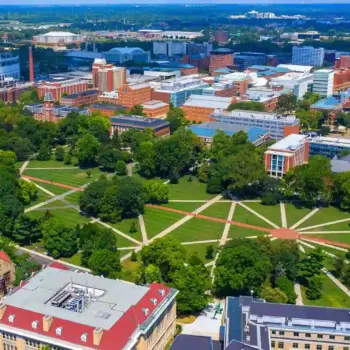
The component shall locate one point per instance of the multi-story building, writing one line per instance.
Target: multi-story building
(279, 126)
(220, 58)
(7, 273)
(286, 154)
(298, 82)
(121, 55)
(80, 99)
(49, 112)
(327, 146)
(12, 94)
(221, 90)
(131, 95)
(308, 56)
(57, 40)
(59, 86)
(177, 91)
(170, 48)
(343, 62)
(106, 77)
(9, 69)
(199, 48)
(251, 323)
(243, 60)
(69, 310)
(323, 82)
(341, 80)
(198, 108)
(107, 110)
(162, 73)
(155, 109)
(241, 80)
(221, 37)
(122, 123)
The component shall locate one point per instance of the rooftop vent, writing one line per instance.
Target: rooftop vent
(145, 311)
(35, 324)
(162, 292)
(154, 301)
(59, 330)
(84, 337)
(12, 318)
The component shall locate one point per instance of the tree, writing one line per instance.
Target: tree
(137, 110)
(314, 287)
(145, 157)
(214, 185)
(29, 97)
(209, 253)
(203, 173)
(59, 153)
(342, 190)
(248, 106)
(156, 193)
(105, 263)
(28, 191)
(152, 274)
(338, 264)
(270, 198)
(7, 158)
(346, 276)
(120, 168)
(309, 119)
(87, 149)
(44, 152)
(133, 256)
(192, 282)
(287, 287)
(98, 126)
(176, 118)
(273, 295)
(286, 104)
(133, 227)
(310, 266)
(26, 230)
(108, 158)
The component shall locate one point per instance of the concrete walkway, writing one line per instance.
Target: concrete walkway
(297, 291)
(201, 242)
(143, 230)
(325, 245)
(323, 232)
(324, 224)
(283, 215)
(331, 243)
(227, 225)
(257, 214)
(23, 167)
(187, 201)
(337, 282)
(304, 218)
(41, 188)
(58, 184)
(57, 168)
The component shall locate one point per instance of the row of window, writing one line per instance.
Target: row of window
(306, 346)
(9, 347)
(8, 336)
(308, 335)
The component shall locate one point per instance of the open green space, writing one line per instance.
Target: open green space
(73, 177)
(130, 270)
(270, 212)
(218, 210)
(185, 206)
(189, 189)
(341, 226)
(73, 198)
(243, 215)
(201, 249)
(136, 175)
(332, 296)
(124, 226)
(41, 196)
(157, 220)
(52, 205)
(334, 251)
(242, 232)
(37, 246)
(198, 230)
(75, 259)
(325, 215)
(19, 164)
(56, 190)
(52, 163)
(336, 237)
(295, 212)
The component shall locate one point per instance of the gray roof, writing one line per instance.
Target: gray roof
(191, 342)
(138, 122)
(118, 296)
(340, 166)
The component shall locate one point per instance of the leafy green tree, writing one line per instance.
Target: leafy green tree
(59, 153)
(137, 110)
(44, 152)
(338, 264)
(310, 266)
(7, 158)
(309, 119)
(108, 158)
(105, 263)
(273, 295)
(26, 230)
(133, 256)
(346, 276)
(247, 106)
(214, 185)
(68, 159)
(145, 157)
(29, 97)
(220, 145)
(120, 168)
(286, 104)
(287, 287)
(8, 246)
(209, 253)
(314, 287)
(203, 173)
(176, 118)
(342, 190)
(21, 146)
(156, 192)
(87, 149)
(108, 209)
(28, 191)
(133, 227)
(98, 126)
(152, 274)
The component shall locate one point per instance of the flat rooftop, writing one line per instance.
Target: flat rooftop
(207, 101)
(289, 143)
(153, 104)
(137, 121)
(332, 141)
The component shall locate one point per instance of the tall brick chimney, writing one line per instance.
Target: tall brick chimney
(31, 65)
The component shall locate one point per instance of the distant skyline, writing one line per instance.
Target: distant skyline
(243, 2)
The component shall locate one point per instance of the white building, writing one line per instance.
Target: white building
(55, 38)
(323, 82)
(169, 48)
(298, 82)
(308, 56)
(9, 69)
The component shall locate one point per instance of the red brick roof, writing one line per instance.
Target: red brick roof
(60, 266)
(4, 256)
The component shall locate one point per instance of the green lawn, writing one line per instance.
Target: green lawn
(75, 259)
(136, 175)
(56, 190)
(185, 206)
(52, 205)
(341, 226)
(198, 230)
(336, 237)
(270, 212)
(243, 215)
(124, 226)
(40, 197)
(189, 190)
(325, 215)
(218, 210)
(334, 251)
(73, 198)
(242, 232)
(19, 164)
(201, 250)
(52, 163)
(130, 270)
(37, 246)
(157, 220)
(294, 213)
(332, 296)
(73, 177)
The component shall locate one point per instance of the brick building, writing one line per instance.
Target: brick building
(59, 86)
(63, 309)
(221, 37)
(341, 80)
(7, 273)
(107, 110)
(155, 109)
(122, 123)
(220, 58)
(343, 62)
(198, 108)
(13, 93)
(131, 95)
(286, 154)
(188, 69)
(80, 99)
(221, 90)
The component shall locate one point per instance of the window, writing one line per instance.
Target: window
(319, 347)
(307, 346)
(280, 345)
(347, 338)
(273, 344)
(308, 335)
(319, 336)
(332, 337)
(273, 332)
(295, 345)
(281, 333)
(330, 347)
(345, 348)
(296, 334)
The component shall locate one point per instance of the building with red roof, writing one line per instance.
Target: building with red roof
(7, 273)
(73, 310)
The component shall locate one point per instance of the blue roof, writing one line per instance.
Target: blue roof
(191, 342)
(270, 68)
(327, 103)
(224, 70)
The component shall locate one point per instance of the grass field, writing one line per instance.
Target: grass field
(332, 296)
(130, 270)
(325, 215)
(218, 210)
(75, 259)
(341, 226)
(124, 226)
(200, 249)
(243, 215)
(242, 232)
(185, 206)
(73, 198)
(334, 251)
(157, 220)
(270, 212)
(40, 197)
(295, 213)
(189, 189)
(56, 190)
(52, 163)
(336, 237)
(136, 175)
(198, 230)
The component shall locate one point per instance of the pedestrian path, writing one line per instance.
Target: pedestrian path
(257, 214)
(283, 215)
(304, 218)
(297, 290)
(228, 225)
(332, 243)
(23, 167)
(324, 224)
(68, 187)
(57, 168)
(337, 282)
(143, 230)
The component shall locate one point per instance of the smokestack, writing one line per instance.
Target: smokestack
(31, 65)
